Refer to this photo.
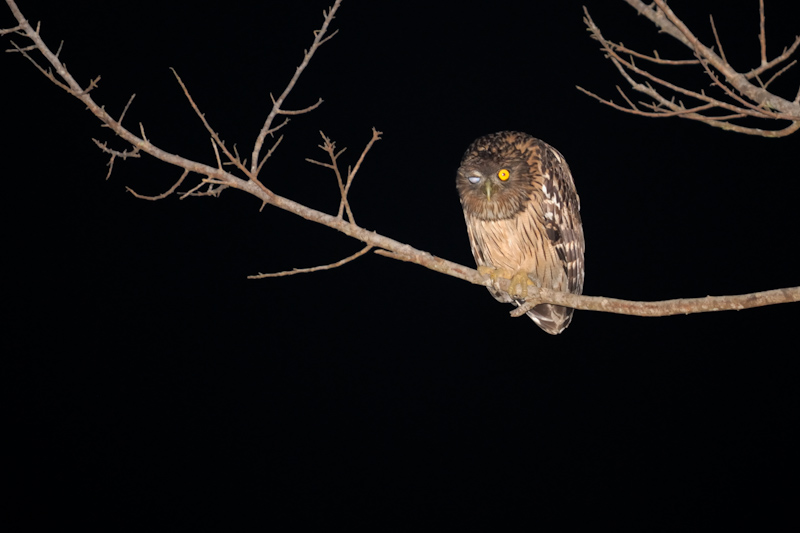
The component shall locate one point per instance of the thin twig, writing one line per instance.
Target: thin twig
(781, 71)
(376, 136)
(312, 107)
(312, 269)
(656, 114)
(15, 29)
(269, 153)
(716, 38)
(216, 154)
(619, 47)
(125, 154)
(125, 109)
(162, 195)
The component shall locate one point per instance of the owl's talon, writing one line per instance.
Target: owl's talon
(490, 271)
(518, 285)
(518, 282)
(494, 274)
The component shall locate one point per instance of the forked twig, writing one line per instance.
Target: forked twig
(231, 157)
(329, 147)
(319, 40)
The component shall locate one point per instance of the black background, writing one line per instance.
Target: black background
(148, 374)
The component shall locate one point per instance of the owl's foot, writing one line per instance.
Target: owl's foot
(518, 287)
(518, 282)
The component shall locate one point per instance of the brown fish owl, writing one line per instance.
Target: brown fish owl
(523, 219)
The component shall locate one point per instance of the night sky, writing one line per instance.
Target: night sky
(148, 374)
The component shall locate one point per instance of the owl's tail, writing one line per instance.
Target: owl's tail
(552, 318)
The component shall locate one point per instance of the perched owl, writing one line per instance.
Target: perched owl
(523, 219)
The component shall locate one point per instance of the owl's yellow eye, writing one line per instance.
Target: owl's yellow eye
(503, 174)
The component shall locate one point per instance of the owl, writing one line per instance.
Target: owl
(523, 219)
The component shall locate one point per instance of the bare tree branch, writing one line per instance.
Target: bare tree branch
(216, 179)
(744, 99)
(319, 40)
(682, 306)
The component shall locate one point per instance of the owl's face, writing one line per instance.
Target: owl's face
(494, 182)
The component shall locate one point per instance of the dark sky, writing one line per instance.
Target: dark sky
(149, 374)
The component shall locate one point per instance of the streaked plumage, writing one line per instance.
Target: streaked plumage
(523, 214)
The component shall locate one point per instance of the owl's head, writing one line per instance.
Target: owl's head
(495, 180)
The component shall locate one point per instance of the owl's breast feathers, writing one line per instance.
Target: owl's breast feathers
(542, 235)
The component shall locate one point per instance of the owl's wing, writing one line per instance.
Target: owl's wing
(562, 224)
(562, 219)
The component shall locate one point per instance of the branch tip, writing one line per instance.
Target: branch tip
(741, 98)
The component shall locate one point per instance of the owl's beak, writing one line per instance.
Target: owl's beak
(488, 189)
